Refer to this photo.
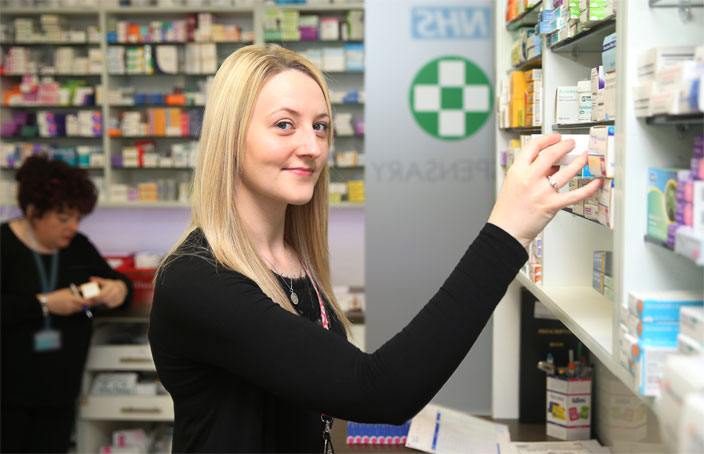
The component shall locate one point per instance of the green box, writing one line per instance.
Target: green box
(662, 201)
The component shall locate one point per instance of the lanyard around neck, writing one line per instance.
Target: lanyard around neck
(48, 282)
(323, 313)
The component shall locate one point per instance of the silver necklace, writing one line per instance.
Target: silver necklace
(292, 295)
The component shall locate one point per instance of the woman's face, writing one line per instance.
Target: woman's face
(55, 229)
(286, 144)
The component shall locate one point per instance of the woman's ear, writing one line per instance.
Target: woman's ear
(31, 212)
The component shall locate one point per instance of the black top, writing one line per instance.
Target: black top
(247, 375)
(44, 378)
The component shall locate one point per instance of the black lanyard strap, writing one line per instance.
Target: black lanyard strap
(48, 283)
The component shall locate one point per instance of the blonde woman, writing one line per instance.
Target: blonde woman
(245, 331)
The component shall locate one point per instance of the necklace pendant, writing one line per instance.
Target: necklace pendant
(294, 298)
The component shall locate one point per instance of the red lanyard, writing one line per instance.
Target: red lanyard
(327, 420)
(323, 314)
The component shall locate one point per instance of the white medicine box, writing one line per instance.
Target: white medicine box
(569, 408)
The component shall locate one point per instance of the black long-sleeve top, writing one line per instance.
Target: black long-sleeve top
(52, 377)
(246, 375)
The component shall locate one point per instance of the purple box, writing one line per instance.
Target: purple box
(671, 233)
(698, 168)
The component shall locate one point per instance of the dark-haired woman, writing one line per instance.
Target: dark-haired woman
(46, 326)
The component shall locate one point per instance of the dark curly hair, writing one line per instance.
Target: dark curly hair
(50, 185)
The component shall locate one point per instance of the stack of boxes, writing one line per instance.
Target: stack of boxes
(681, 404)
(349, 57)
(289, 25)
(594, 99)
(691, 338)
(527, 46)
(158, 121)
(53, 30)
(200, 28)
(598, 208)
(649, 329)
(689, 215)
(534, 97)
(669, 81)
(32, 91)
(676, 206)
(143, 154)
(602, 274)
(563, 19)
(521, 99)
(12, 155)
(515, 8)
(534, 266)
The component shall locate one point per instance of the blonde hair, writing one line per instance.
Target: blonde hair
(231, 99)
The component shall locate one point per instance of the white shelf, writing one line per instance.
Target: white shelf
(155, 10)
(337, 7)
(38, 11)
(569, 241)
(588, 315)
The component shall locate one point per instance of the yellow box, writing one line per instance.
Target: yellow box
(355, 191)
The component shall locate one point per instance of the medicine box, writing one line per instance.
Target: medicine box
(650, 61)
(608, 53)
(691, 430)
(692, 323)
(648, 363)
(568, 408)
(681, 377)
(603, 262)
(688, 346)
(663, 334)
(662, 201)
(566, 105)
(581, 145)
(662, 306)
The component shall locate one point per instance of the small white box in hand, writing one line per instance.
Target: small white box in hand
(90, 290)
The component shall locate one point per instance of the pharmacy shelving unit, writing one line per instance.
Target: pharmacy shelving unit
(249, 18)
(569, 241)
(344, 81)
(75, 19)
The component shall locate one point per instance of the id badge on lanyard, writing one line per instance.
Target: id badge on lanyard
(47, 339)
(326, 419)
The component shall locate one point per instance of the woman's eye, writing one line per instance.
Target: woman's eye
(284, 125)
(320, 127)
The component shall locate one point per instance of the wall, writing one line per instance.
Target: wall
(420, 220)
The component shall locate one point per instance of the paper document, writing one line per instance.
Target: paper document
(554, 447)
(442, 430)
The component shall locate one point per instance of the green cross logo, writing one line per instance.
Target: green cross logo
(451, 98)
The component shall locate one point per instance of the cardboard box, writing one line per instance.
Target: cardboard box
(581, 144)
(566, 105)
(662, 334)
(662, 201)
(682, 376)
(648, 365)
(608, 53)
(688, 346)
(568, 408)
(691, 430)
(662, 306)
(692, 323)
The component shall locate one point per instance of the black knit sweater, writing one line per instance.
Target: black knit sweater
(248, 376)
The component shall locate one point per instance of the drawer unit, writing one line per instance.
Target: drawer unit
(120, 357)
(127, 408)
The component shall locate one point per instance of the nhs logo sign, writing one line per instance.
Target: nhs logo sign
(450, 22)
